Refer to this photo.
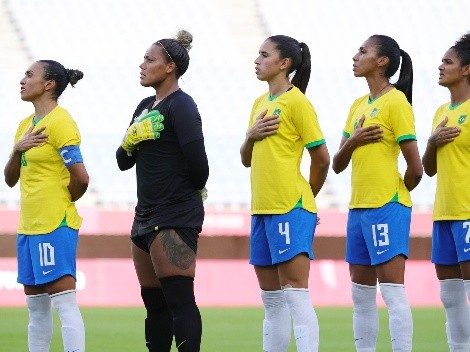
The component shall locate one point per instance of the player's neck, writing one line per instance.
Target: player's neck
(42, 107)
(378, 86)
(276, 88)
(163, 91)
(459, 94)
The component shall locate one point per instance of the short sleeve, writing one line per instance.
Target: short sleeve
(402, 121)
(64, 132)
(305, 119)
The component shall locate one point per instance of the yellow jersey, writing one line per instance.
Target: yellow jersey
(45, 198)
(452, 200)
(375, 177)
(277, 184)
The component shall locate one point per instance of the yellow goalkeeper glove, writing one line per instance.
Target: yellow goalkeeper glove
(146, 126)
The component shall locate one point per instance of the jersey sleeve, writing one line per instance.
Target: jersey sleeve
(402, 120)
(186, 120)
(305, 120)
(64, 132)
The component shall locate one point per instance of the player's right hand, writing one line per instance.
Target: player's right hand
(365, 135)
(143, 128)
(264, 126)
(443, 134)
(31, 139)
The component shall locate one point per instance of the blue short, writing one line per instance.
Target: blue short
(374, 236)
(278, 238)
(45, 258)
(450, 242)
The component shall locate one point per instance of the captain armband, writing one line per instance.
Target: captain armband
(71, 155)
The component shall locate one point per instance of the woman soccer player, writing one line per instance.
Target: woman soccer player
(446, 155)
(46, 159)
(283, 122)
(379, 125)
(166, 144)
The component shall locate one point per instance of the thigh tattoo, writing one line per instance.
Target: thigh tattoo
(178, 252)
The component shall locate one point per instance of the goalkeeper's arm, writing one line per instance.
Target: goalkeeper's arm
(195, 154)
(124, 160)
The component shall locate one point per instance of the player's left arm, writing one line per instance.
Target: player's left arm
(79, 178)
(402, 122)
(319, 165)
(196, 157)
(414, 169)
(187, 124)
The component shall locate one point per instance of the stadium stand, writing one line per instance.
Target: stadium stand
(107, 39)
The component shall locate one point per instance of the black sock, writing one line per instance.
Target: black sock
(159, 321)
(187, 325)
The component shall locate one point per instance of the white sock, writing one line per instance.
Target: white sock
(454, 299)
(466, 284)
(277, 322)
(73, 329)
(365, 317)
(306, 329)
(40, 322)
(400, 319)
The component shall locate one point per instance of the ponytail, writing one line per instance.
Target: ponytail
(302, 73)
(405, 80)
(299, 53)
(387, 46)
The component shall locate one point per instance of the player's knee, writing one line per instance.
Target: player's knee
(153, 298)
(179, 291)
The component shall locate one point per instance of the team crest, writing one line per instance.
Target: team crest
(277, 112)
(374, 112)
(462, 119)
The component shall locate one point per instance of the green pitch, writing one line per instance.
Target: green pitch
(224, 329)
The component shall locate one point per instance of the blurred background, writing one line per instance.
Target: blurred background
(107, 39)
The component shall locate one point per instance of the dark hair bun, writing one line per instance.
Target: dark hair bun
(74, 76)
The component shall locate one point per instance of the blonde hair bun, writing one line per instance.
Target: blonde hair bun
(184, 38)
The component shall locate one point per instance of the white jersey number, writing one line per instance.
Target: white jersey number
(285, 231)
(380, 235)
(466, 225)
(46, 254)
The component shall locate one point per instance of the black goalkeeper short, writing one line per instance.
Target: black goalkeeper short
(144, 240)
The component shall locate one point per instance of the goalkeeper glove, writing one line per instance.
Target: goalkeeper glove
(203, 193)
(146, 126)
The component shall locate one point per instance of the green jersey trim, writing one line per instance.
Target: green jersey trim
(64, 222)
(406, 137)
(315, 144)
(453, 107)
(299, 204)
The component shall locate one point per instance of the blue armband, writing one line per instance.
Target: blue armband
(71, 155)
